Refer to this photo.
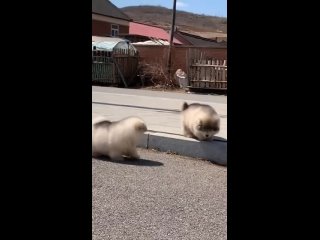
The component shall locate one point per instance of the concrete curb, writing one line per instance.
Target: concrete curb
(214, 151)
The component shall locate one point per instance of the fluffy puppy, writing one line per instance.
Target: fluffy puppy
(117, 139)
(199, 121)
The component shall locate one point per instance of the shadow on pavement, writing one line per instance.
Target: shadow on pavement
(143, 107)
(220, 139)
(136, 162)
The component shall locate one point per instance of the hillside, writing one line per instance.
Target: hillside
(206, 26)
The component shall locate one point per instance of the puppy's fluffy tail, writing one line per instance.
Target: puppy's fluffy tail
(98, 119)
(184, 106)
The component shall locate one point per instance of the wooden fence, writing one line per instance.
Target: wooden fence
(205, 71)
(208, 74)
(118, 67)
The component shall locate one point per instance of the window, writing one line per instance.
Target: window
(114, 30)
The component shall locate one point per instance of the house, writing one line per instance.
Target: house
(198, 41)
(108, 20)
(140, 32)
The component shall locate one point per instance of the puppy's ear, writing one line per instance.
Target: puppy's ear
(140, 127)
(184, 106)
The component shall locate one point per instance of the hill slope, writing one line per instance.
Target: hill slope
(206, 26)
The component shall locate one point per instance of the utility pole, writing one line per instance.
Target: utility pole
(171, 36)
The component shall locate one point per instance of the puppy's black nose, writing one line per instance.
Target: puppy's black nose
(207, 135)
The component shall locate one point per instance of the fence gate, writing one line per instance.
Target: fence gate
(102, 67)
(118, 67)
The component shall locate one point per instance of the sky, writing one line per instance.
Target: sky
(207, 7)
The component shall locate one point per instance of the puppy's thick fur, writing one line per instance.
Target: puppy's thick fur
(200, 121)
(117, 139)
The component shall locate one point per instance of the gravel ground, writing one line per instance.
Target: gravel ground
(161, 196)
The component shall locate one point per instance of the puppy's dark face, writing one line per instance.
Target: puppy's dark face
(140, 127)
(207, 128)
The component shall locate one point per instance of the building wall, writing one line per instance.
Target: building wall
(103, 29)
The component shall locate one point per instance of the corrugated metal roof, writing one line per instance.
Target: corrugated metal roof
(150, 31)
(109, 43)
(152, 42)
(110, 39)
(106, 8)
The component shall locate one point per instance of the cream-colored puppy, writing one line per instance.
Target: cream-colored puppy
(117, 139)
(200, 121)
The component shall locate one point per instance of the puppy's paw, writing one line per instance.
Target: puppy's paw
(95, 154)
(188, 135)
(135, 156)
(116, 156)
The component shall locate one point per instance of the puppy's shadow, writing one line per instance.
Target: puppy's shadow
(135, 162)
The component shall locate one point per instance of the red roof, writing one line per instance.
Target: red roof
(150, 31)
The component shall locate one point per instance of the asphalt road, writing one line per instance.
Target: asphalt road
(161, 196)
